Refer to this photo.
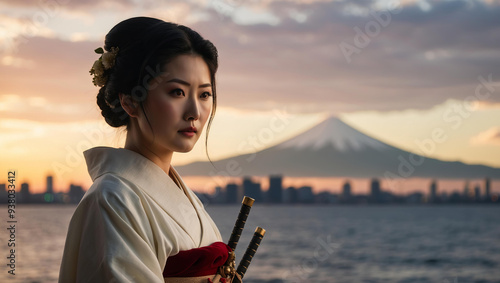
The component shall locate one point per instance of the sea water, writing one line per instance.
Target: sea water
(446, 244)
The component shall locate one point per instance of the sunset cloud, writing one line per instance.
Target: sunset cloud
(290, 53)
(484, 105)
(488, 137)
(16, 62)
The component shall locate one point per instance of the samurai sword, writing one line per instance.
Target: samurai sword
(250, 252)
(228, 269)
(246, 205)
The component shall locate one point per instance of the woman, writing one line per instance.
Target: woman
(139, 222)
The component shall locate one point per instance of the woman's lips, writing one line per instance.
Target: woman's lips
(188, 132)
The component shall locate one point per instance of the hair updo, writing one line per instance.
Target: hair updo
(145, 46)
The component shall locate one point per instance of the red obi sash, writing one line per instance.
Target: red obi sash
(197, 262)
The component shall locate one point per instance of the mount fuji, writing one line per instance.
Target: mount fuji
(334, 149)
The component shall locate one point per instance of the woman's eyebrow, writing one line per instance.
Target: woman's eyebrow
(175, 80)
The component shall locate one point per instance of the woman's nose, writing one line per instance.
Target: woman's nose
(192, 110)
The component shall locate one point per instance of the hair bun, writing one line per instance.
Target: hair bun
(112, 112)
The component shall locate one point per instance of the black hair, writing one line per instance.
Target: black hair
(145, 45)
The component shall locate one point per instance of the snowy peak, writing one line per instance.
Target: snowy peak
(334, 133)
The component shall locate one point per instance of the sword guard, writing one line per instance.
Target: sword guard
(228, 270)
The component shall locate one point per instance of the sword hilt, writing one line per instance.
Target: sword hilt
(250, 252)
(246, 205)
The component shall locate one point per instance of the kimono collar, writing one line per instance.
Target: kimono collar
(126, 163)
(145, 174)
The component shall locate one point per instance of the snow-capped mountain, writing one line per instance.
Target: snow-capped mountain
(334, 149)
(334, 133)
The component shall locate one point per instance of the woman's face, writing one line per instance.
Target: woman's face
(180, 98)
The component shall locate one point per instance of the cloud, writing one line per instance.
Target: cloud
(17, 62)
(488, 137)
(484, 105)
(15, 31)
(410, 63)
(39, 109)
(54, 74)
(51, 5)
(424, 56)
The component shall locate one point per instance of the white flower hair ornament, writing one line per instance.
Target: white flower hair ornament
(101, 65)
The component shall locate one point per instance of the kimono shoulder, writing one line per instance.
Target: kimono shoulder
(110, 238)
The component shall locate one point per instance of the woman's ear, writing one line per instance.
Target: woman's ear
(128, 104)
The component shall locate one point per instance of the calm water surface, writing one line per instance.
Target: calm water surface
(445, 244)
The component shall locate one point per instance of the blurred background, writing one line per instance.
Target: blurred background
(369, 130)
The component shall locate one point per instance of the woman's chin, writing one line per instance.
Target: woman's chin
(184, 149)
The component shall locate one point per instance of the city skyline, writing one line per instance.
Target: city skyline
(276, 193)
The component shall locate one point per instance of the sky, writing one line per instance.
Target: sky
(395, 70)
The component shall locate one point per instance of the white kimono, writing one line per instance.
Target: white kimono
(131, 220)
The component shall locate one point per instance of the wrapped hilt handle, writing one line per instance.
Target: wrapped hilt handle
(246, 205)
(250, 252)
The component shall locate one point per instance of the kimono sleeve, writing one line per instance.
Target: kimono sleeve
(110, 239)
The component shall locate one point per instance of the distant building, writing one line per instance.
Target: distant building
(232, 194)
(444, 197)
(219, 196)
(325, 198)
(375, 190)
(290, 195)
(3, 193)
(252, 189)
(305, 194)
(414, 198)
(48, 196)
(487, 189)
(24, 194)
(455, 197)
(346, 190)
(433, 191)
(275, 191)
(75, 193)
(50, 188)
(467, 191)
(477, 193)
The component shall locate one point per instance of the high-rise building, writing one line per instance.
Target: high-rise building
(487, 189)
(375, 190)
(477, 193)
(232, 193)
(305, 194)
(433, 191)
(346, 190)
(50, 188)
(290, 195)
(3, 193)
(75, 193)
(467, 190)
(25, 193)
(252, 189)
(275, 191)
(219, 196)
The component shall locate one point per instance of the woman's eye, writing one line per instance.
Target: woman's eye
(177, 92)
(206, 94)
